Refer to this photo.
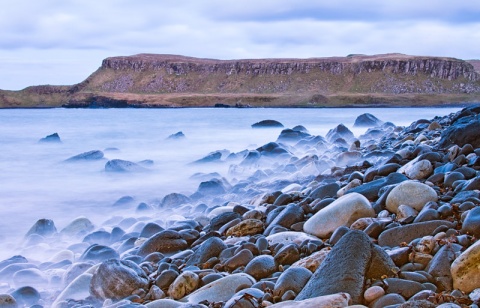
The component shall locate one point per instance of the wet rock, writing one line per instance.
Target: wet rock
(210, 158)
(341, 131)
(208, 249)
(150, 229)
(53, 138)
(221, 290)
(246, 227)
(289, 237)
(410, 193)
(74, 271)
(86, 156)
(98, 237)
(465, 271)
(439, 266)
(98, 253)
(381, 265)
(471, 223)
(463, 131)
(165, 279)
(395, 236)
(294, 278)
(342, 212)
(272, 149)
(343, 270)
(117, 279)
(183, 285)
(167, 241)
(43, 227)
(13, 260)
(267, 123)
(290, 135)
(119, 165)
(176, 136)
(173, 200)
(261, 267)
(220, 220)
(367, 120)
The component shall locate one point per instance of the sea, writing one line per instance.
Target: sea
(36, 181)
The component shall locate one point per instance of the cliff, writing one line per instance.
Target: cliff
(147, 80)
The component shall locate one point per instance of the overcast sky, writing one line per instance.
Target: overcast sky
(62, 42)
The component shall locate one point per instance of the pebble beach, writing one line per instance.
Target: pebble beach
(389, 218)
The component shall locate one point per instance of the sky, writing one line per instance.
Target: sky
(63, 42)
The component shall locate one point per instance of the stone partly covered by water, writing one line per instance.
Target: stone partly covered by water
(396, 224)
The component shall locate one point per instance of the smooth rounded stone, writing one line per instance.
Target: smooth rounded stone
(74, 271)
(12, 260)
(170, 303)
(387, 169)
(150, 229)
(30, 277)
(354, 183)
(387, 300)
(342, 212)
(289, 237)
(419, 170)
(80, 226)
(86, 156)
(373, 293)
(183, 285)
(116, 279)
(246, 298)
(98, 253)
(287, 255)
(324, 191)
(451, 177)
(241, 258)
(220, 290)
(246, 227)
(78, 289)
(26, 296)
(212, 187)
(165, 279)
(173, 200)
(253, 214)
(439, 266)
(43, 227)
(395, 236)
(340, 131)
(371, 189)
(286, 218)
(411, 193)
(336, 300)
(427, 215)
(405, 212)
(261, 267)
(219, 218)
(405, 288)
(262, 243)
(465, 270)
(381, 265)
(208, 249)
(99, 237)
(267, 123)
(294, 278)
(367, 120)
(343, 270)
(167, 241)
(8, 301)
(313, 261)
(471, 223)
(337, 234)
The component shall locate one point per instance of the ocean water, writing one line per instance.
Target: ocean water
(36, 182)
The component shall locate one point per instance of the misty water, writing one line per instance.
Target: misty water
(36, 183)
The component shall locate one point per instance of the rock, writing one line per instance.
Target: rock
(286, 218)
(290, 135)
(261, 267)
(463, 131)
(373, 293)
(78, 289)
(465, 270)
(439, 266)
(272, 149)
(220, 290)
(403, 287)
(395, 236)
(343, 270)
(267, 123)
(98, 253)
(212, 187)
(150, 229)
(220, 220)
(43, 227)
(118, 165)
(78, 227)
(326, 301)
(367, 120)
(183, 285)
(8, 301)
(294, 278)
(116, 279)
(371, 189)
(341, 131)
(241, 258)
(86, 156)
(53, 138)
(324, 191)
(289, 237)
(387, 300)
(287, 255)
(419, 170)
(471, 223)
(13, 260)
(342, 212)
(25, 296)
(246, 227)
(210, 158)
(167, 241)
(208, 249)
(174, 200)
(74, 271)
(98, 237)
(411, 193)
(381, 265)
(176, 136)
(30, 277)
(313, 261)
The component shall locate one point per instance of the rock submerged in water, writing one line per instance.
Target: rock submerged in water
(367, 120)
(267, 124)
(119, 165)
(86, 156)
(53, 138)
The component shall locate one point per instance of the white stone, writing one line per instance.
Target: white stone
(220, 210)
(327, 301)
(289, 237)
(78, 289)
(291, 188)
(373, 293)
(354, 183)
(405, 211)
(466, 270)
(220, 290)
(419, 170)
(411, 193)
(342, 212)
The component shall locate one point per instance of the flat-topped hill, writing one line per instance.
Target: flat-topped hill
(150, 80)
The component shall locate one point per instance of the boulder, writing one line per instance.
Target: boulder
(43, 227)
(463, 131)
(465, 270)
(167, 241)
(395, 236)
(342, 212)
(367, 120)
(116, 279)
(174, 200)
(371, 189)
(341, 131)
(411, 193)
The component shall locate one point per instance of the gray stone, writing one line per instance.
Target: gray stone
(43, 227)
(242, 258)
(86, 156)
(261, 267)
(439, 266)
(405, 288)
(208, 249)
(471, 223)
(324, 191)
(118, 165)
(8, 301)
(286, 218)
(367, 120)
(116, 279)
(395, 236)
(464, 131)
(167, 241)
(98, 253)
(371, 189)
(294, 278)
(411, 193)
(388, 300)
(267, 123)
